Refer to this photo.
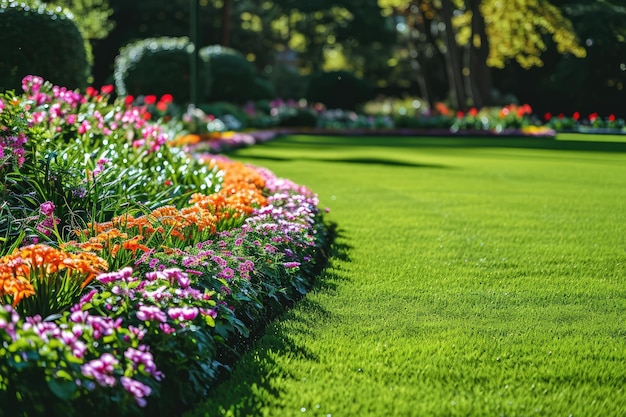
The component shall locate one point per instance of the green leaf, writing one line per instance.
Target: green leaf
(63, 388)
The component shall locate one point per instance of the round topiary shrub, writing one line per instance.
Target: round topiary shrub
(39, 40)
(338, 90)
(233, 75)
(288, 82)
(157, 66)
(262, 89)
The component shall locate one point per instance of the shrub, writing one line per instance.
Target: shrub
(262, 89)
(233, 74)
(42, 41)
(338, 89)
(288, 83)
(226, 111)
(157, 66)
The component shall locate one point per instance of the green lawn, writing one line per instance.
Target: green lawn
(471, 277)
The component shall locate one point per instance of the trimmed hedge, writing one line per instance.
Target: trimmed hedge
(233, 75)
(159, 66)
(41, 41)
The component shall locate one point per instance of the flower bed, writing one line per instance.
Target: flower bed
(131, 271)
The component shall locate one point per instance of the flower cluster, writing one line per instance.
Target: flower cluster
(78, 353)
(53, 278)
(90, 116)
(166, 260)
(171, 314)
(577, 122)
(497, 119)
(12, 149)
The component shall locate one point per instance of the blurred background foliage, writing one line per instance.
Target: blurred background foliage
(557, 55)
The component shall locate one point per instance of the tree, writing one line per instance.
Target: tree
(491, 33)
(91, 16)
(594, 83)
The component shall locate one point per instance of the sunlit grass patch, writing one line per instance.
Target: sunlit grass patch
(469, 278)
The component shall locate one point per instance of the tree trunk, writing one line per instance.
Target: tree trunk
(419, 61)
(226, 23)
(453, 58)
(480, 79)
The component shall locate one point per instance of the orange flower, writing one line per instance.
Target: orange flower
(189, 139)
(133, 245)
(33, 263)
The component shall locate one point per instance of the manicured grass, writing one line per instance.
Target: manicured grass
(471, 277)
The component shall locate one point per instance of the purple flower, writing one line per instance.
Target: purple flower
(183, 313)
(166, 328)
(101, 369)
(124, 274)
(291, 265)
(151, 313)
(137, 389)
(142, 357)
(226, 273)
(47, 208)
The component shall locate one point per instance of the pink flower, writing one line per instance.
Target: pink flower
(84, 127)
(151, 313)
(47, 208)
(137, 389)
(183, 313)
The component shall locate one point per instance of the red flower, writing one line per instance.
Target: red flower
(527, 109)
(576, 116)
(161, 106)
(167, 183)
(473, 112)
(167, 98)
(460, 114)
(146, 116)
(611, 117)
(593, 117)
(128, 100)
(561, 116)
(90, 91)
(547, 116)
(107, 89)
(150, 99)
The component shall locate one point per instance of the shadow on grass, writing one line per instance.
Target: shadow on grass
(574, 143)
(366, 161)
(244, 392)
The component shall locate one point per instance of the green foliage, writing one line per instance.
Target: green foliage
(538, 18)
(233, 75)
(262, 89)
(224, 110)
(157, 66)
(288, 82)
(91, 158)
(41, 41)
(43, 365)
(93, 17)
(338, 89)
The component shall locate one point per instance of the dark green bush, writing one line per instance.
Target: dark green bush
(288, 83)
(158, 66)
(338, 90)
(222, 110)
(233, 75)
(262, 89)
(40, 41)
